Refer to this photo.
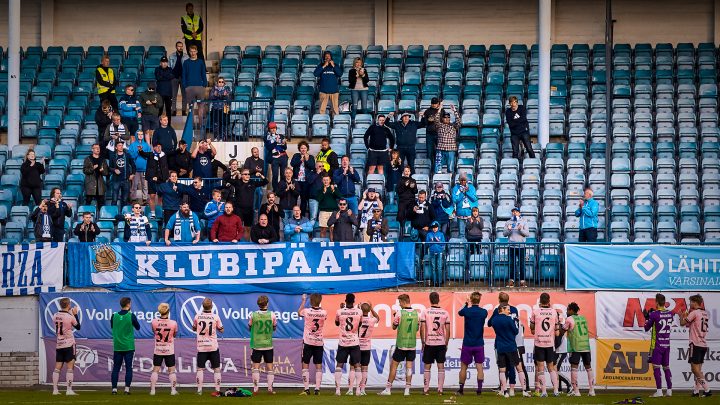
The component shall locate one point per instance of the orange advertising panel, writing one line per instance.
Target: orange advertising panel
(524, 302)
(623, 363)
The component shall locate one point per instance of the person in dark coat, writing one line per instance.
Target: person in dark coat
(422, 215)
(156, 172)
(171, 193)
(242, 192)
(103, 118)
(57, 205)
(165, 135)
(180, 160)
(406, 191)
(406, 137)
(303, 166)
(196, 197)
(95, 169)
(516, 118)
(341, 223)
(263, 233)
(428, 118)
(43, 222)
(378, 140)
(273, 211)
(31, 182)
(87, 230)
(163, 77)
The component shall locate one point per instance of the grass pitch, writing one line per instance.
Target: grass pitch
(290, 397)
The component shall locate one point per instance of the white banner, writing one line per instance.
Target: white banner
(619, 314)
(236, 150)
(381, 358)
(32, 269)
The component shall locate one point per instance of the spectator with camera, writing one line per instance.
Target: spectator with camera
(443, 208)
(43, 228)
(257, 167)
(87, 230)
(59, 210)
(31, 183)
(422, 216)
(358, 80)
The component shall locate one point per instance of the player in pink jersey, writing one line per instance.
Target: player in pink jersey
(348, 319)
(165, 330)
(368, 323)
(546, 318)
(434, 335)
(207, 324)
(697, 321)
(312, 340)
(65, 321)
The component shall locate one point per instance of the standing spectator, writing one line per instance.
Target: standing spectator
(516, 118)
(243, 191)
(103, 118)
(176, 64)
(156, 172)
(446, 139)
(122, 172)
(194, 80)
(436, 241)
(422, 215)
(180, 160)
(152, 105)
(58, 210)
(395, 169)
(95, 169)
(298, 228)
(516, 230)
(428, 118)
(262, 233)
(328, 74)
(314, 188)
(171, 193)
(442, 207)
(227, 227)
(378, 141)
(303, 165)
(191, 25)
(406, 190)
(31, 182)
(107, 81)
(464, 197)
(202, 158)
(196, 196)
(345, 177)
(474, 226)
(220, 96)
(164, 79)
(366, 208)
(327, 156)
(214, 208)
(377, 227)
(114, 133)
(358, 83)
(273, 211)
(257, 168)
(341, 223)
(122, 324)
(184, 225)
(43, 228)
(406, 137)
(588, 212)
(165, 135)
(137, 226)
(288, 191)
(277, 145)
(233, 173)
(327, 198)
(139, 186)
(130, 110)
(87, 230)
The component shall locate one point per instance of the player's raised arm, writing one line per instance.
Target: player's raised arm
(302, 305)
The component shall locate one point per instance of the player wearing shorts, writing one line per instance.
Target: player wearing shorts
(367, 327)
(561, 353)
(348, 319)
(165, 331)
(434, 335)
(697, 321)
(504, 299)
(262, 324)
(659, 323)
(66, 321)
(546, 318)
(473, 346)
(506, 349)
(206, 325)
(578, 345)
(312, 340)
(406, 323)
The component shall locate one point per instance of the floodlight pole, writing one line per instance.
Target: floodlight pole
(608, 112)
(13, 73)
(544, 30)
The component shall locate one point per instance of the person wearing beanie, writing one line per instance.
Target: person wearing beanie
(164, 77)
(152, 104)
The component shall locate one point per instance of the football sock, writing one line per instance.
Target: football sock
(306, 378)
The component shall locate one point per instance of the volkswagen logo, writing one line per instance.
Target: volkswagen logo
(53, 307)
(191, 307)
(648, 268)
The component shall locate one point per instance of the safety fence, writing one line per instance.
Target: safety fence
(230, 121)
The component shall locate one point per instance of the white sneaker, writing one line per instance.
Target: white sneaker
(386, 391)
(407, 392)
(56, 392)
(512, 392)
(337, 392)
(527, 394)
(573, 394)
(70, 392)
(591, 393)
(199, 392)
(174, 392)
(152, 392)
(657, 394)
(350, 392)
(362, 393)
(668, 393)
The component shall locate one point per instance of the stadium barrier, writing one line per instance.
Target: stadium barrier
(238, 120)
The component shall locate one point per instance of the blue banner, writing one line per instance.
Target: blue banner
(642, 267)
(285, 268)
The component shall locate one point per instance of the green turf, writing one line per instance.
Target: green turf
(289, 397)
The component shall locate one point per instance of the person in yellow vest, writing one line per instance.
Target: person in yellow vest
(327, 156)
(106, 80)
(192, 28)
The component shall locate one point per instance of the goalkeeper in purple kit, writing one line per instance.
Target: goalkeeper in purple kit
(659, 323)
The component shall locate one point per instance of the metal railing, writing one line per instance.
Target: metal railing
(230, 121)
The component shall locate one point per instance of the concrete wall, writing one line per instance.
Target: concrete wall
(19, 342)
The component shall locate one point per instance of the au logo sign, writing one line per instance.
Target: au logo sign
(624, 363)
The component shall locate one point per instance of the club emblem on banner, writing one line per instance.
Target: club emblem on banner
(53, 307)
(191, 307)
(85, 358)
(106, 265)
(648, 269)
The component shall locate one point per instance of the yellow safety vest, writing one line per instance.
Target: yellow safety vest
(108, 76)
(322, 158)
(192, 24)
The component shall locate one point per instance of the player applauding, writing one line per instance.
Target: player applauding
(262, 324)
(348, 319)
(207, 324)
(66, 321)
(405, 321)
(659, 323)
(165, 330)
(544, 325)
(579, 348)
(698, 321)
(434, 335)
(367, 327)
(312, 340)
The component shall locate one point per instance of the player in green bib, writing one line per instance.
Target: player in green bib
(262, 324)
(406, 322)
(578, 339)
(123, 325)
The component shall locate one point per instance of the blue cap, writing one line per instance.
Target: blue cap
(434, 224)
(515, 209)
